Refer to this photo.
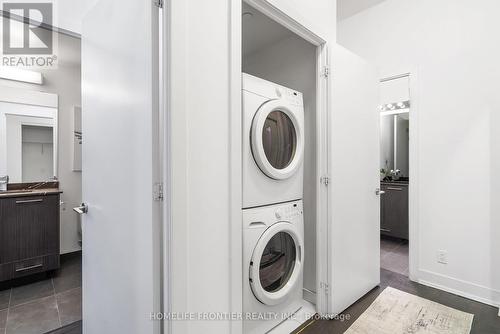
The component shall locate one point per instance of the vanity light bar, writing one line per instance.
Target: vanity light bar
(395, 106)
(17, 74)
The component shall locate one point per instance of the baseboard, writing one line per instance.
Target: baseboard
(309, 296)
(461, 288)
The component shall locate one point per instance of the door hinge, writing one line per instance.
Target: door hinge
(325, 180)
(326, 71)
(325, 287)
(158, 3)
(158, 192)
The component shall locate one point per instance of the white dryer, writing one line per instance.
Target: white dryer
(273, 258)
(273, 143)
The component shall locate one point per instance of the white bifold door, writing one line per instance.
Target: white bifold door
(119, 111)
(353, 164)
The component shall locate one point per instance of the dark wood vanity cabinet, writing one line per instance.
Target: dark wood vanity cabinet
(29, 235)
(394, 210)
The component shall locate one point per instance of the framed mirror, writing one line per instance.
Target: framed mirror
(28, 136)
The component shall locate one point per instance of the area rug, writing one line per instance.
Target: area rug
(398, 312)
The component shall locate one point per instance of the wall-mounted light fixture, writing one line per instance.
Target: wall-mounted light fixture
(17, 74)
(394, 106)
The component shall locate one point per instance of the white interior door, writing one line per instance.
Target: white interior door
(119, 99)
(354, 206)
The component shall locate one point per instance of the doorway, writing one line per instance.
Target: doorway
(40, 183)
(278, 52)
(395, 118)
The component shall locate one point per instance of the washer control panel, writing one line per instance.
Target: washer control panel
(291, 96)
(288, 212)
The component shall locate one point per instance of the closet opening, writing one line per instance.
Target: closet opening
(283, 127)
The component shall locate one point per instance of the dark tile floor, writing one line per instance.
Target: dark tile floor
(41, 303)
(486, 319)
(394, 255)
(74, 328)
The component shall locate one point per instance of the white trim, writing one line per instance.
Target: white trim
(165, 179)
(459, 287)
(158, 174)
(309, 296)
(292, 24)
(235, 228)
(414, 178)
(27, 110)
(414, 170)
(18, 74)
(395, 112)
(24, 96)
(395, 76)
(323, 221)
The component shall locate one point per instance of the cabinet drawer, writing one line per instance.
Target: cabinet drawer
(29, 266)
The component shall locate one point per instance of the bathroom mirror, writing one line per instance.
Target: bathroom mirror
(394, 142)
(28, 138)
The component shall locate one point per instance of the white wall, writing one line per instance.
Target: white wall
(65, 82)
(292, 63)
(454, 46)
(69, 13)
(206, 153)
(347, 8)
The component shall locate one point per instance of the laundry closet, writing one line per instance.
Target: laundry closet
(300, 252)
(279, 80)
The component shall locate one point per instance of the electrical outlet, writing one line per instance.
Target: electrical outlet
(442, 256)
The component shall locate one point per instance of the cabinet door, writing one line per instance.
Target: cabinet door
(384, 227)
(29, 227)
(396, 211)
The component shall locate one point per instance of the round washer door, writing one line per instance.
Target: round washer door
(277, 140)
(276, 263)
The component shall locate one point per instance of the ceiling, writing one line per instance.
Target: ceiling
(348, 8)
(259, 31)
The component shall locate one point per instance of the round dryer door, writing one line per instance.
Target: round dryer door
(276, 264)
(277, 140)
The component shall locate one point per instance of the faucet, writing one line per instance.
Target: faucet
(37, 185)
(40, 184)
(395, 174)
(4, 181)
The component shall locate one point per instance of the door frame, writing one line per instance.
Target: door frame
(163, 173)
(414, 168)
(292, 22)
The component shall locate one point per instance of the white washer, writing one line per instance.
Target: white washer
(273, 143)
(273, 257)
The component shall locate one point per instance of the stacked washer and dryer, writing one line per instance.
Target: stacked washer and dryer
(273, 224)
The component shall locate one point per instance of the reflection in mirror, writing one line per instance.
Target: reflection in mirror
(402, 144)
(394, 143)
(387, 142)
(28, 136)
(37, 153)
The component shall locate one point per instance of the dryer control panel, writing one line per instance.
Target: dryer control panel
(289, 211)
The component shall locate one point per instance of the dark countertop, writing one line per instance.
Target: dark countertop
(394, 183)
(31, 192)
